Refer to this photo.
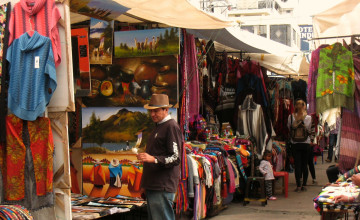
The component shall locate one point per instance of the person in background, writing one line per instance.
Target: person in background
(332, 141)
(267, 170)
(311, 152)
(301, 149)
(161, 161)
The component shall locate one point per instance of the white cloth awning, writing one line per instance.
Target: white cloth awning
(340, 20)
(175, 13)
(241, 40)
(272, 55)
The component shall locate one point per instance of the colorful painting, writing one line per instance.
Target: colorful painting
(132, 81)
(81, 62)
(153, 42)
(101, 41)
(104, 10)
(110, 167)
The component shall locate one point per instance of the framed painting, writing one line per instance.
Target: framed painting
(104, 10)
(152, 42)
(110, 167)
(132, 81)
(101, 41)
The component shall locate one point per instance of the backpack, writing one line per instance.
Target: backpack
(298, 131)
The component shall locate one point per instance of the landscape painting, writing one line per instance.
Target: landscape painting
(104, 10)
(153, 42)
(101, 41)
(130, 82)
(109, 137)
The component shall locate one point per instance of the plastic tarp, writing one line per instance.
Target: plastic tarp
(175, 13)
(339, 20)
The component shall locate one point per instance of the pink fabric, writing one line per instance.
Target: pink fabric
(42, 17)
(232, 177)
(190, 68)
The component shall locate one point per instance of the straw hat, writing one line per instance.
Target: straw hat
(115, 162)
(158, 101)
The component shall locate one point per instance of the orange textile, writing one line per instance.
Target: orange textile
(42, 152)
(98, 175)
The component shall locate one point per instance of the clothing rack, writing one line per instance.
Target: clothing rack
(233, 52)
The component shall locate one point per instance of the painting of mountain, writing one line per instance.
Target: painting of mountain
(110, 167)
(115, 129)
(101, 41)
(104, 10)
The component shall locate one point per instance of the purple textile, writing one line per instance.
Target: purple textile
(190, 69)
(232, 177)
(350, 128)
(312, 80)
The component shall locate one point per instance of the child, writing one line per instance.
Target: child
(266, 169)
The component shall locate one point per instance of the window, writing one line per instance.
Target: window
(248, 28)
(262, 31)
(281, 34)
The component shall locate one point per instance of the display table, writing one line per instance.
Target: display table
(325, 201)
(327, 210)
(120, 207)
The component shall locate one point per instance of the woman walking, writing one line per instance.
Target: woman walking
(299, 124)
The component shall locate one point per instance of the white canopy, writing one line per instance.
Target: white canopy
(237, 39)
(274, 56)
(175, 13)
(339, 20)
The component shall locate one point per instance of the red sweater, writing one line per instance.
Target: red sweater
(43, 15)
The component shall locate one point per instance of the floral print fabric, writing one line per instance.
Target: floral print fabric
(40, 141)
(335, 82)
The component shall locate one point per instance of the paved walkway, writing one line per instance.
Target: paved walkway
(298, 205)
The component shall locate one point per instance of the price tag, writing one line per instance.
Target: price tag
(37, 62)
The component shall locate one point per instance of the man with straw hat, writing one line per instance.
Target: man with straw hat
(161, 160)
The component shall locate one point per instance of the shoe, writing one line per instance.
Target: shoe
(272, 198)
(328, 160)
(297, 189)
(314, 181)
(303, 189)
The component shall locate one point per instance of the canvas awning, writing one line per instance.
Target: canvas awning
(340, 20)
(241, 40)
(175, 13)
(272, 55)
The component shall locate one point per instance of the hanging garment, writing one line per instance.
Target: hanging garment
(32, 76)
(312, 79)
(190, 69)
(335, 83)
(350, 129)
(39, 15)
(251, 123)
(29, 153)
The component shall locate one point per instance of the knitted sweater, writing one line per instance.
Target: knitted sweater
(32, 75)
(335, 83)
(39, 15)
